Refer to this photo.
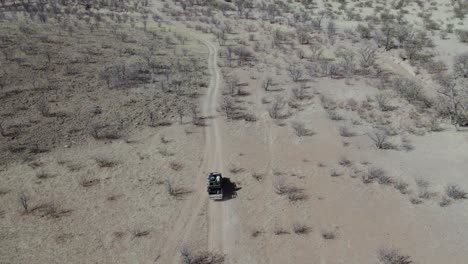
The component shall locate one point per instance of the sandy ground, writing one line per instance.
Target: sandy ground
(131, 196)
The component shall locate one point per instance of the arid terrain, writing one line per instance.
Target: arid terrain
(342, 125)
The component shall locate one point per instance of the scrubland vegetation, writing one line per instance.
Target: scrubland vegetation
(328, 83)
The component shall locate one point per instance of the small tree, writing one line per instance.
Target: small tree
(460, 66)
(331, 28)
(24, 200)
(295, 72)
(454, 97)
(231, 83)
(267, 83)
(276, 108)
(181, 112)
(367, 56)
(380, 139)
(228, 106)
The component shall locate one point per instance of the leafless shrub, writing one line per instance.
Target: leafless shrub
(335, 116)
(43, 175)
(455, 192)
(301, 130)
(300, 228)
(176, 166)
(367, 56)
(256, 233)
(460, 65)
(276, 108)
(165, 152)
(95, 130)
(401, 186)
(462, 35)
(415, 200)
(105, 162)
(380, 139)
(86, 182)
(328, 234)
(140, 233)
(422, 184)
(295, 72)
(164, 140)
(187, 255)
(155, 119)
(258, 176)
(345, 162)
(24, 200)
(280, 231)
(236, 169)
(445, 201)
(300, 93)
(393, 256)
(295, 194)
(335, 173)
(279, 185)
(267, 83)
(346, 132)
(374, 173)
(382, 101)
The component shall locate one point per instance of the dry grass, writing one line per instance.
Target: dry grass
(393, 256)
(105, 162)
(301, 229)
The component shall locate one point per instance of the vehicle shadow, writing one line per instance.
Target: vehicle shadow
(229, 189)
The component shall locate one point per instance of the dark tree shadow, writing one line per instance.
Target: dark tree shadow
(229, 189)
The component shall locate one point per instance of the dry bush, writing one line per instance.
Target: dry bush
(50, 210)
(380, 139)
(393, 256)
(462, 35)
(42, 175)
(295, 72)
(301, 130)
(295, 194)
(345, 162)
(328, 234)
(401, 186)
(256, 233)
(105, 162)
(189, 257)
(24, 201)
(276, 108)
(176, 166)
(165, 152)
(455, 192)
(279, 184)
(335, 116)
(174, 191)
(86, 182)
(300, 229)
(346, 132)
(415, 200)
(335, 173)
(445, 201)
(140, 233)
(236, 170)
(378, 174)
(280, 231)
(258, 176)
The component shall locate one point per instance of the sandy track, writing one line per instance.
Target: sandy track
(212, 161)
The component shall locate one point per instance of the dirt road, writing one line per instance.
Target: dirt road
(218, 227)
